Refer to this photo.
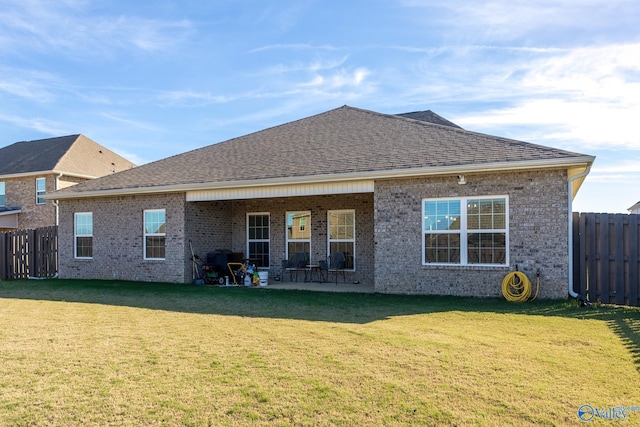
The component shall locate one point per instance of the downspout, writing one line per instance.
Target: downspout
(570, 228)
(55, 202)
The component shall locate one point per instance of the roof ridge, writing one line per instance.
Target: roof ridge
(76, 135)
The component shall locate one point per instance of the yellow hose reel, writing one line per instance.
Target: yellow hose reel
(516, 287)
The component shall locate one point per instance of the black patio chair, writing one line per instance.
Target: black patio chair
(297, 262)
(336, 264)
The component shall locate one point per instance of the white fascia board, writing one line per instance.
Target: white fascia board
(49, 172)
(74, 175)
(12, 212)
(313, 179)
(25, 174)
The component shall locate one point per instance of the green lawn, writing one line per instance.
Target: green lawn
(121, 353)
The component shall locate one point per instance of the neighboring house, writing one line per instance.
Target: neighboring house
(418, 207)
(30, 169)
(635, 209)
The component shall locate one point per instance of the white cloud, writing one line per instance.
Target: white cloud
(589, 96)
(503, 20)
(47, 127)
(35, 86)
(313, 65)
(73, 28)
(293, 46)
(131, 123)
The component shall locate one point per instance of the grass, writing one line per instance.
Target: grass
(122, 353)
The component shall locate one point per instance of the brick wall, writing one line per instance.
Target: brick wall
(210, 226)
(538, 234)
(22, 192)
(118, 239)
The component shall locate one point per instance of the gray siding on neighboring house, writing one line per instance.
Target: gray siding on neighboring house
(537, 231)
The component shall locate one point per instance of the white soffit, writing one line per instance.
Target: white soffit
(315, 189)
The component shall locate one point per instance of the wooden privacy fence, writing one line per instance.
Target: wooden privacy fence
(29, 253)
(605, 254)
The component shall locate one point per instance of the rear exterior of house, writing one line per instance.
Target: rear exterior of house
(447, 218)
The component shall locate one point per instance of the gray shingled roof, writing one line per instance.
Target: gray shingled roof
(340, 141)
(71, 155)
(429, 116)
(34, 156)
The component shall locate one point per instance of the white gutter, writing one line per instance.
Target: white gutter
(353, 176)
(55, 202)
(46, 172)
(570, 229)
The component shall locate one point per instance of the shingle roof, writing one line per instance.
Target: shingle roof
(74, 154)
(34, 156)
(429, 116)
(345, 140)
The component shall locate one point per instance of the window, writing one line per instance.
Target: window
(83, 235)
(3, 200)
(41, 187)
(258, 238)
(342, 235)
(299, 233)
(465, 231)
(154, 233)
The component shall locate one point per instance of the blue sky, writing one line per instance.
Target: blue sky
(151, 79)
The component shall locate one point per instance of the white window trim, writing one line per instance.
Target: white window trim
(464, 231)
(76, 235)
(330, 240)
(38, 194)
(268, 240)
(286, 234)
(145, 234)
(3, 192)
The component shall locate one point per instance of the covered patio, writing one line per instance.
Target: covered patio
(364, 288)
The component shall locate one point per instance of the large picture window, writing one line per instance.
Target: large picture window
(342, 235)
(83, 240)
(155, 226)
(299, 233)
(41, 188)
(258, 238)
(466, 231)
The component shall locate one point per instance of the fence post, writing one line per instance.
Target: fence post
(634, 241)
(3, 257)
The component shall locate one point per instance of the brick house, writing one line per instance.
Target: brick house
(31, 169)
(418, 204)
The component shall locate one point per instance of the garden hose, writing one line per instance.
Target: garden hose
(516, 287)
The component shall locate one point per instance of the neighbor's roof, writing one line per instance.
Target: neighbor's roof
(73, 154)
(340, 144)
(429, 116)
